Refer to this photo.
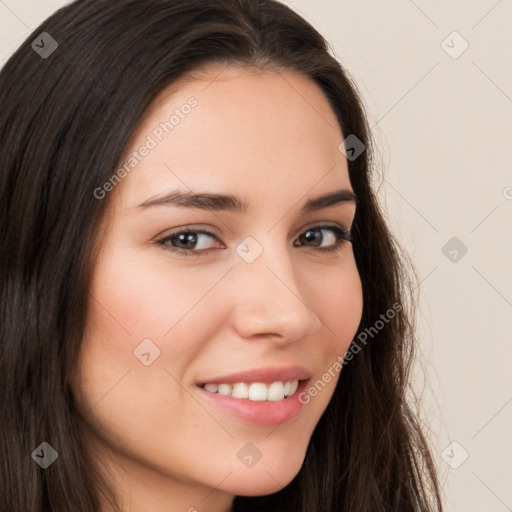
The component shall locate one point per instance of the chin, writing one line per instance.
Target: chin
(263, 479)
(261, 485)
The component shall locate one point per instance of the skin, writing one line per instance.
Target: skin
(271, 138)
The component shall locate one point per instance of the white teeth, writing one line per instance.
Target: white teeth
(224, 389)
(257, 391)
(294, 384)
(240, 390)
(275, 391)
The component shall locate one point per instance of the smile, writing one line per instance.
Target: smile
(256, 391)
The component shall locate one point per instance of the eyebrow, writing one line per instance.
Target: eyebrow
(231, 203)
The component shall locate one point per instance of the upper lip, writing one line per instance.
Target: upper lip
(265, 375)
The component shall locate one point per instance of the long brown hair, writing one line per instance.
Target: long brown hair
(65, 120)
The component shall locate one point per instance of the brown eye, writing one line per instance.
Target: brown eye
(186, 242)
(315, 236)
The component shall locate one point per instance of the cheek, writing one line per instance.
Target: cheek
(131, 303)
(339, 304)
(123, 399)
(138, 298)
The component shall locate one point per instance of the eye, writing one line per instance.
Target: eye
(190, 242)
(314, 235)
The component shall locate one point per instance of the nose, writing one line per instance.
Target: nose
(268, 300)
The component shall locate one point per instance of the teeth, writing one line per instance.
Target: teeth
(224, 389)
(275, 391)
(240, 390)
(257, 391)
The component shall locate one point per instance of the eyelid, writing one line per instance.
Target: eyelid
(346, 233)
(324, 224)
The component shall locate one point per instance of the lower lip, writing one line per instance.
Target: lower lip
(259, 412)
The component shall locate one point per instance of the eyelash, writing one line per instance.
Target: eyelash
(342, 235)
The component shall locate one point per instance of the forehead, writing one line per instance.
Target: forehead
(254, 133)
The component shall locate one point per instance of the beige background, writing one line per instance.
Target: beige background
(443, 127)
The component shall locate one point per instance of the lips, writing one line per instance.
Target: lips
(256, 412)
(272, 409)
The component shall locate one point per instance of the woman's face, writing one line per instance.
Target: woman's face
(240, 297)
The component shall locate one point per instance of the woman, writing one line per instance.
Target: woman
(203, 308)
